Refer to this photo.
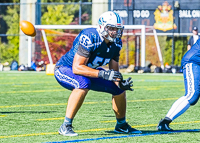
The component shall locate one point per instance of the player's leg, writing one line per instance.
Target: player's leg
(75, 101)
(119, 107)
(79, 86)
(192, 92)
(118, 101)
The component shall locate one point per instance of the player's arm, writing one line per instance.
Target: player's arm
(122, 84)
(79, 67)
(188, 47)
(114, 65)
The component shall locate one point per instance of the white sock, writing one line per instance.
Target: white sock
(178, 108)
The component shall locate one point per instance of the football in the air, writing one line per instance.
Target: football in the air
(27, 28)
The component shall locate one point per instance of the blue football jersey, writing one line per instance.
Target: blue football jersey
(93, 42)
(192, 55)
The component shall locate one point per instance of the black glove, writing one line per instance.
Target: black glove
(126, 84)
(110, 75)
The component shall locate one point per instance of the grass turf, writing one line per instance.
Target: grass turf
(32, 108)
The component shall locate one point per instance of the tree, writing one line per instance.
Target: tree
(59, 14)
(58, 44)
(179, 51)
(10, 52)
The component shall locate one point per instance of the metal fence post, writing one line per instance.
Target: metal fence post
(80, 3)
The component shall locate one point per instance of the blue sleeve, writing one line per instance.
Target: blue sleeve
(190, 42)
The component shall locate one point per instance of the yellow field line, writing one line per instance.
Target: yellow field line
(3, 115)
(35, 105)
(61, 118)
(34, 91)
(152, 100)
(22, 83)
(110, 121)
(186, 122)
(107, 121)
(13, 106)
(91, 130)
(50, 119)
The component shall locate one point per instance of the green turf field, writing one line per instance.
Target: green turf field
(32, 108)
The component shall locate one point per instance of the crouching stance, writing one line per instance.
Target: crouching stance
(191, 72)
(79, 71)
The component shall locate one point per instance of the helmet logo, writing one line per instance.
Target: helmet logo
(103, 20)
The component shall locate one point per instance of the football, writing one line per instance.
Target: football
(27, 28)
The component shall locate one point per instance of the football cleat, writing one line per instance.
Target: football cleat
(66, 130)
(126, 129)
(163, 125)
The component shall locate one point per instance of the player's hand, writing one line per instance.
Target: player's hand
(110, 75)
(126, 84)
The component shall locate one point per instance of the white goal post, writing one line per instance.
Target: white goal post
(128, 27)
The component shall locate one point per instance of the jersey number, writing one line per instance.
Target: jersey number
(85, 40)
(97, 61)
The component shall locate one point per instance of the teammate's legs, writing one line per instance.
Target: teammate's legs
(192, 88)
(192, 92)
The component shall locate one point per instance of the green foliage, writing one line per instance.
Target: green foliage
(179, 50)
(10, 51)
(168, 51)
(59, 14)
(162, 43)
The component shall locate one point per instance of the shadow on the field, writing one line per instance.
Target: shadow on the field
(109, 116)
(153, 132)
(31, 112)
(174, 131)
(92, 134)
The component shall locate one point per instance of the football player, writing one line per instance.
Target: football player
(79, 71)
(191, 69)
